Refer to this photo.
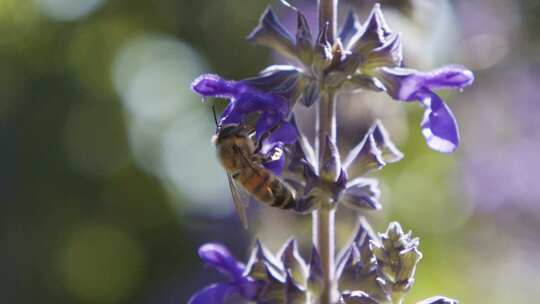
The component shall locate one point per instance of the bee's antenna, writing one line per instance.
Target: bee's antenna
(215, 116)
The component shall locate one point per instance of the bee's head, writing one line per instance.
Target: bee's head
(231, 131)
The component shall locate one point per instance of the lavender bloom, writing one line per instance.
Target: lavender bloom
(220, 258)
(371, 269)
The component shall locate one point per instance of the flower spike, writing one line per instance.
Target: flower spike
(363, 56)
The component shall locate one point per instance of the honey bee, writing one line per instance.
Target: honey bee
(239, 154)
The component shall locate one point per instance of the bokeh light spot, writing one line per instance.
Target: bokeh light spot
(190, 162)
(101, 264)
(169, 127)
(483, 51)
(152, 74)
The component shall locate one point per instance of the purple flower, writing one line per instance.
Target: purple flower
(439, 126)
(220, 258)
(266, 94)
(244, 99)
(380, 68)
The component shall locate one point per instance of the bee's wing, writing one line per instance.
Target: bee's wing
(240, 203)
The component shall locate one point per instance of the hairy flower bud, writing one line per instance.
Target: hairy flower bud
(397, 255)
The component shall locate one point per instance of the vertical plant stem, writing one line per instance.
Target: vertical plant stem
(323, 218)
(328, 14)
(324, 235)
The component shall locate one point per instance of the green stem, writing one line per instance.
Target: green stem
(324, 236)
(328, 14)
(323, 218)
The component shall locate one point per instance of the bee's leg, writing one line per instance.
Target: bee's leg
(264, 136)
(257, 158)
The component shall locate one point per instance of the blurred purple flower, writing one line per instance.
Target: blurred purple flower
(220, 258)
(501, 161)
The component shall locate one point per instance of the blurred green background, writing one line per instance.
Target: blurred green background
(108, 181)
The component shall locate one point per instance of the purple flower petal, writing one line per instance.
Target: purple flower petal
(404, 84)
(244, 98)
(213, 294)
(265, 122)
(211, 85)
(452, 77)
(276, 166)
(282, 80)
(251, 100)
(230, 115)
(220, 258)
(248, 288)
(285, 134)
(439, 126)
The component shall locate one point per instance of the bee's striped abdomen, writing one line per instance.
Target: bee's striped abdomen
(283, 197)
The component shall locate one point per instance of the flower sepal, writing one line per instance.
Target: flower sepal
(357, 297)
(438, 300)
(373, 152)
